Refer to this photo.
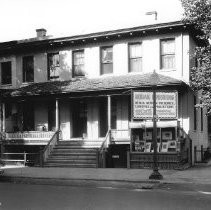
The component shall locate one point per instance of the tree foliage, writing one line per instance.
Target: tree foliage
(198, 13)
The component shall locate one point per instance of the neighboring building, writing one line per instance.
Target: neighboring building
(83, 85)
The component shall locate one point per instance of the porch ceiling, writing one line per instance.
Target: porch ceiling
(75, 85)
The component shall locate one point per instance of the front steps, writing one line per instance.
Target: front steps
(74, 154)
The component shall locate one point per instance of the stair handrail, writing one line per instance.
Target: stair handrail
(106, 142)
(182, 136)
(102, 150)
(49, 147)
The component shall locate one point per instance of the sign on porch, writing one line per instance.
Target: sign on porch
(166, 105)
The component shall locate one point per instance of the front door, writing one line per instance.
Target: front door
(79, 117)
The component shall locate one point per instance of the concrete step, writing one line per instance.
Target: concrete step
(74, 147)
(71, 161)
(72, 157)
(72, 154)
(65, 165)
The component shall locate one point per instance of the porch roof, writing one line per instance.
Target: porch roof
(125, 82)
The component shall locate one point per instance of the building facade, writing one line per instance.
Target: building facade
(84, 87)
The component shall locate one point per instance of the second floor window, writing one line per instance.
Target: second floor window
(135, 57)
(78, 63)
(6, 73)
(53, 66)
(106, 60)
(167, 54)
(28, 69)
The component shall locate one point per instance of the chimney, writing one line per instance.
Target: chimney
(41, 33)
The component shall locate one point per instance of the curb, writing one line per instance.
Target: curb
(142, 184)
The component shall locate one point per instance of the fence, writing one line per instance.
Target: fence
(202, 154)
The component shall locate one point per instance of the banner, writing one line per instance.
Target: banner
(166, 105)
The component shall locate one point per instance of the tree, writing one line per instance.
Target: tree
(198, 13)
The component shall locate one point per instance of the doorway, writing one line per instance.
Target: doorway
(79, 119)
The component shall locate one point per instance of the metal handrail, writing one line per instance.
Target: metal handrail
(102, 150)
(49, 147)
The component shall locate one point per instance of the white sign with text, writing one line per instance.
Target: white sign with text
(166, 105)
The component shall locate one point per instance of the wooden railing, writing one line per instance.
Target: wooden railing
(20, 158)
(120, 135)
(29, 135)
(49, 147)
(102, 151)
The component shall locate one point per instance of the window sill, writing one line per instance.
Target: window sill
(6, 85)
(27, 83)
(107, 75)
(167, 70)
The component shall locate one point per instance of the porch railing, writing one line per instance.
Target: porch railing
(20, 158)
(120, 135)
(29, 135)
(103, 150)
(49, 147)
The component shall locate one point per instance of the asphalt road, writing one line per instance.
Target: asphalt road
(48, 197)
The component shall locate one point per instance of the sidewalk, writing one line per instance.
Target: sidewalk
(104, 177)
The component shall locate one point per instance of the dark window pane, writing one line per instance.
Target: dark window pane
(53, 65)
(6, 73)
(28, 69)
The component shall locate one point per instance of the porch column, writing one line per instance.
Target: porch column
(109, 112)
(3, 117)
(57, 114)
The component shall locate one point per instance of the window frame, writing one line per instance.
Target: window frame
(24, 71)
(2, 80)
(167, 54)
(129, 57)
(103, 63)
(56, 66)
(73, 63)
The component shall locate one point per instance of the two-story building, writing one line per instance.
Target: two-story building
(85, 87)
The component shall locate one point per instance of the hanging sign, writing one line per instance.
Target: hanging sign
(166, 105)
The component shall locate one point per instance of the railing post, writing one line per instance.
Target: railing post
(41, 158)
(97, 159)
(57, 114)
(24, 158)
(202, 153)
(104, 159)
(3, 117)
(128, 159)
(195, 155)
(188, 155)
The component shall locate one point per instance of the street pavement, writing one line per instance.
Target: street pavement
(50, 197)
(105, 176)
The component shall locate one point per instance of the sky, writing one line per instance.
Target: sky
(20, 18)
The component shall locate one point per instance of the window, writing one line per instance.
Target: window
(6, 73)
(78, 63)
(135, 57)
(106, 60)
(28, 69)
(168, 54)
(53, 66)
